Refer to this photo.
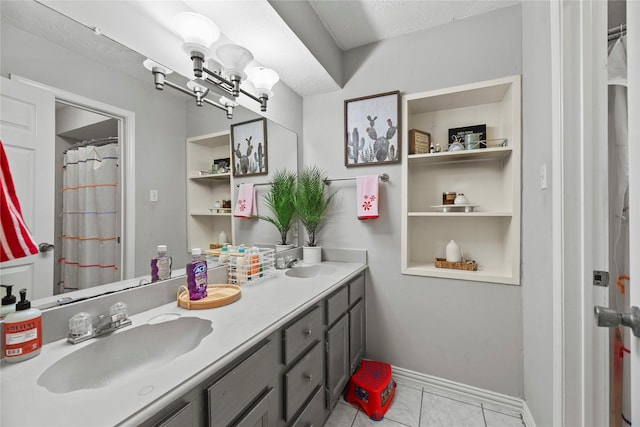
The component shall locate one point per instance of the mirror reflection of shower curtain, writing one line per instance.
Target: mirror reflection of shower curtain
(89, 216)
(619, 226)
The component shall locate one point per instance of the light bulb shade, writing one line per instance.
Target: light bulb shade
(196, 30)
(263, 79)
(234, 58)
(227, 102)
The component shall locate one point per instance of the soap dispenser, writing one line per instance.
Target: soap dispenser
(22, 331)
(8, 301)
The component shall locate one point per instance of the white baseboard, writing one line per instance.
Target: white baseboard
(497, 400)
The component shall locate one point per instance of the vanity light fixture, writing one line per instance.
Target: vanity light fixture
(234, 65)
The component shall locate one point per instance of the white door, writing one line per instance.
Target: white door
(27, 129)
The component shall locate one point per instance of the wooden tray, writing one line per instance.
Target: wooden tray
(465, 265)
(217, 296)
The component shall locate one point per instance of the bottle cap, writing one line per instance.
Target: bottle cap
(162, 248)
(24, 303)
(224, 249)
(241, 250)
(8, 299)
(196, 251)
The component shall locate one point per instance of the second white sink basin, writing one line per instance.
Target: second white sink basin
(309, 271)
(110, 357)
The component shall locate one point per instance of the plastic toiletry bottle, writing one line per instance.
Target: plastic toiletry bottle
(161, 265)
(241, 266)
(8, 301)
(197, 275)
(22, 331)
(224, 255)
(254, 263)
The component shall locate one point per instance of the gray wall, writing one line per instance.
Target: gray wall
(537, 281)
(469, 332)
(159, 136)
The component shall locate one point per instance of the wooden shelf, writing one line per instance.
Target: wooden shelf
(221, 176)
(488, 177)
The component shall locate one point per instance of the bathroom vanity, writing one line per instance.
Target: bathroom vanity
(279, 356)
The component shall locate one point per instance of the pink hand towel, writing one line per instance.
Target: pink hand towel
(367, 196)
(246, 202)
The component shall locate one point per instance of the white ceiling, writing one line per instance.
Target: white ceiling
(354, 23)
(280, 33)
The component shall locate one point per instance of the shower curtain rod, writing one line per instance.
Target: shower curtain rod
(97, 142)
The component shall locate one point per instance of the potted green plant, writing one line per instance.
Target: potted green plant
(280, 201)
(312, 200)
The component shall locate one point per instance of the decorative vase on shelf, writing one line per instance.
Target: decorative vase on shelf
(280, 248)
(312, 254)
(453, 252)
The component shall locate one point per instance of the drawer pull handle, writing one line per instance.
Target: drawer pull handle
(308, 332)
(309, 377)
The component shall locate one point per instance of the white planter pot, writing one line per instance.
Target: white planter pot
(312, 254)
(280, 248)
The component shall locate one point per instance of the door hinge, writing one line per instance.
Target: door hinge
(600, 278)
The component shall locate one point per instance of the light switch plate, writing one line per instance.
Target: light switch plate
(153, 195)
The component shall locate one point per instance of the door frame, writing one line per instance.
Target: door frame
(126, 129)
(580, 243)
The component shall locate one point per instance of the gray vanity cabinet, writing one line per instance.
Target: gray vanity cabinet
(345, 337)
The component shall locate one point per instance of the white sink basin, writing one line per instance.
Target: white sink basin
(309, 271)
(109, 357)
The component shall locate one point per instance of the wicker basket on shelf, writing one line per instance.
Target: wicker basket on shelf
(468, 265)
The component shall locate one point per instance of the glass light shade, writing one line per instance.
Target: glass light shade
(196, 30)
(227, 102)
(263, 79)
(150, 65)
(234, 58)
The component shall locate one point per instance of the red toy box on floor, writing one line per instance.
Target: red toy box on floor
(372, 388)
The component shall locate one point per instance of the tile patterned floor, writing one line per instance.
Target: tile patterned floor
(418, 406)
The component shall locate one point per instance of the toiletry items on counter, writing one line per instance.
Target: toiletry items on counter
(161, 265)
(197, 275)
(22, 331)
(8, 301)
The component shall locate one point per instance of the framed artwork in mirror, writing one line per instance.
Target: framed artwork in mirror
(372, 129)
(249, 147)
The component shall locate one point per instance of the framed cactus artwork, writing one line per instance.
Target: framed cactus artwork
(372, 129)
(249, 148)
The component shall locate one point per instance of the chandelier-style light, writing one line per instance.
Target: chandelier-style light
(234, 65)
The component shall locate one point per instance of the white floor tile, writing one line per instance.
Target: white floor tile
(438, 411)
(405, 407)
(408, 383)
(362, 420)
(453, 395)
(343, 415)
(496, 419)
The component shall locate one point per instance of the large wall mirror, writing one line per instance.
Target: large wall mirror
(150, 129)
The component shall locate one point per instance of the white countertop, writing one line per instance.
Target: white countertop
(129, 400)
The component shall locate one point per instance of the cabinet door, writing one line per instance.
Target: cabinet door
(262, 414)
(337, 360)
(181, 417)
(357, 335)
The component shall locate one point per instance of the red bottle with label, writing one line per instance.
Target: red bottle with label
(22, 331)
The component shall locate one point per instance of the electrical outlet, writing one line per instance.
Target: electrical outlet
(153, 195)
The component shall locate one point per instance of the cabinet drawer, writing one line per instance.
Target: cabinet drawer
(261, 413)
(301, 380)
(232, 393)
(356, 289)
(313, 414)
(301, 334)
(337, 304)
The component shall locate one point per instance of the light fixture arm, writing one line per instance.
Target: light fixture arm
(202, 98)
(227, 85)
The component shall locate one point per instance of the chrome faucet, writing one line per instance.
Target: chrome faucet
(291, 262)
(84, 326)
